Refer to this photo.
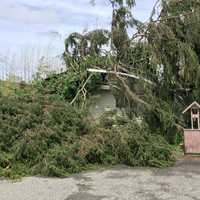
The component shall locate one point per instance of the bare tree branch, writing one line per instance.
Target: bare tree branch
(83, 90)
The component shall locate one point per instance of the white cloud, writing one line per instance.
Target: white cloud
(13, 12)
(48, 11)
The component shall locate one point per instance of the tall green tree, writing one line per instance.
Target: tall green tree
(121, 19)
(165, 51)
(175, 38)
(80, 45)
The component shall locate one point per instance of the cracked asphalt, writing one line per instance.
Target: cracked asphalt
(180, 182)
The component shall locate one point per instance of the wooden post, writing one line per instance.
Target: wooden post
(192, 122)
(198, 119)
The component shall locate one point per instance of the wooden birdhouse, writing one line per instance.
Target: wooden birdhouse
(192, 133)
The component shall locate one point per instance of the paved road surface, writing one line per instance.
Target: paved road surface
(181, 182)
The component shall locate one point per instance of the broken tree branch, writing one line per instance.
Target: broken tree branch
(119, 73)
(82, 89)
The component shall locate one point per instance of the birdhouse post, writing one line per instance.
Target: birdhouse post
(192, 133)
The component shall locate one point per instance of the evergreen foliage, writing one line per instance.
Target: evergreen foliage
(164, 51)
(43, 135)
(48, 134)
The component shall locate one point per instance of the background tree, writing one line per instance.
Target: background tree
(175, 38)
(81, 45)
(164, 51)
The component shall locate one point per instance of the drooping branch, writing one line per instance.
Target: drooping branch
(131, 94)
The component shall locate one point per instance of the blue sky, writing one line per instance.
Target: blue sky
(43, 24)
(40, 22)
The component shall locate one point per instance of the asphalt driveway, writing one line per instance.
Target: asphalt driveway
(181, 182)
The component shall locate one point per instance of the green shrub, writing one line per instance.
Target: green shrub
(66, 85)
(43, 135)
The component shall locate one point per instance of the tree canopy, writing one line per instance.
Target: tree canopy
(165, 51)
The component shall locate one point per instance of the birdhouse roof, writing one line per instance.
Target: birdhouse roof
(194, 104)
